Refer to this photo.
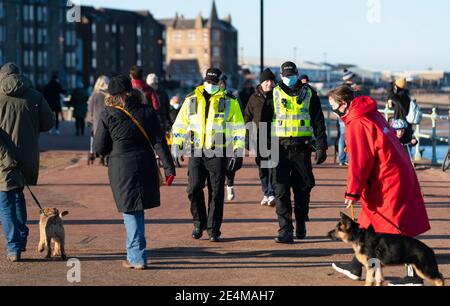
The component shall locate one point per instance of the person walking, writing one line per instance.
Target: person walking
(246, 92)
(52, 94)
(297, 117)
(257, 112)
(380, 176)
(78, 101)
(209, 128)
(24, 114)
(96, 102)
(129, 132)
(136, 75)
(164, 106)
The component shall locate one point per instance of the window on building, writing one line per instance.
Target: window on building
(94, 46)
(39, 13)
(191, 51)
(1, 56)
(191, 35)
(2, 33)
(26, 13)
(25, 35)
(138, 48)
(74, 59)
(122, 29)
(31, 35)
(138, 31)
(45, 58)
(31, 8)
(107, 28)
(206, 36)
(44, 14)
(216, 51)
(2, 10)
(178, 36)
(178, 51)
(216, 35)
(94, 63)
(113, 28)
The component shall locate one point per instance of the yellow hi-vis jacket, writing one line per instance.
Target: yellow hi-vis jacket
(291, 114)
(224, 122)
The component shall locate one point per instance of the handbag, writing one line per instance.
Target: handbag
(161, 177)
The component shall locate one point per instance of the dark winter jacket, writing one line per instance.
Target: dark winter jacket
(173, 113)
(258, 111)
(401, 101)
(317, 119)
(24, 113)
(78, 101)
(133, 172)
(52, 93)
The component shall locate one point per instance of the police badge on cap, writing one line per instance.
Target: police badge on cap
(289, 69)
(213, 75)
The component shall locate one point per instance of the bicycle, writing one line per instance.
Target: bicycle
(446, 163)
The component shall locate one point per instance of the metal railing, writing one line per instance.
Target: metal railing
(434, 117)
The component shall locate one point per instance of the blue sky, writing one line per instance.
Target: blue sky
(410, 34)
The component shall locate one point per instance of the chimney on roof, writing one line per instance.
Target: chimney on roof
(199, 21)
(228, 18)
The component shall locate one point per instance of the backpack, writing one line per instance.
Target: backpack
(415, 114)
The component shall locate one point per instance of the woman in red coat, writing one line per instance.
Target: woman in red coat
(380, 176)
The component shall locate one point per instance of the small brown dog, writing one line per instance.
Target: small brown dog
(51, 230)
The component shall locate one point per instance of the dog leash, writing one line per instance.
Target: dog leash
(36, 201)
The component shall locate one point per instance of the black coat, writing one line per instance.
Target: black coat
(258, 110)
(133, 172)
(52, 92)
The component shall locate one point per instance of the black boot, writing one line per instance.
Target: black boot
(286, 238)
(197, 233)
(300, 230)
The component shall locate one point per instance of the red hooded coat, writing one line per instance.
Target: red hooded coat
(148, 92)
(381, 174)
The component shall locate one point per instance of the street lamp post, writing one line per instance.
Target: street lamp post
(262, 36)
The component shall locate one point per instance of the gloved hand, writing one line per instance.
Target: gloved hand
(169, 180)
(321, 156)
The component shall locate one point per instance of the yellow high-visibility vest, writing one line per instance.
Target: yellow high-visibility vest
(225, 120)
(292, 117)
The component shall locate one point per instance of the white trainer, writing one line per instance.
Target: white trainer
(265, 201)
(271, 201)
(230, 193)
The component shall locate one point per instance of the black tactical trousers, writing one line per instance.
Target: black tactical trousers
(293, 171)
(201, 168)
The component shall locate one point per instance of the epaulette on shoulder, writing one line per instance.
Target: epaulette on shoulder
(231, 96)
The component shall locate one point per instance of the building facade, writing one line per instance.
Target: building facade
(36, 35)
(194, 45)
(111, 41)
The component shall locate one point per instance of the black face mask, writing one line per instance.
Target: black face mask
(338, 112)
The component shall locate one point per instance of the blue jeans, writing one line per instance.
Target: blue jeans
(343, 158)
(264, 176)
(136, 244)
(13, 216)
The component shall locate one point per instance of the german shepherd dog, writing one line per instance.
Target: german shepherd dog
(386, 250)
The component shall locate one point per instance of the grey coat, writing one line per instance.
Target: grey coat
(96, 105)
(24, 113)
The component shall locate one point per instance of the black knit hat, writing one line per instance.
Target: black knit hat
(267, 75)
(304, 77)
(119, 84)
(213, 75)
(289, 69)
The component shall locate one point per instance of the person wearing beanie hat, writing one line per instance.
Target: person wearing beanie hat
(297, 120)
(129, 132)
(210, 128)
(401, 83)
(257, 113)
(348, 77)
(304, 79)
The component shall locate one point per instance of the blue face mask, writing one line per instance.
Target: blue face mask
(176, 106)
(211, 89)
(290, 81)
